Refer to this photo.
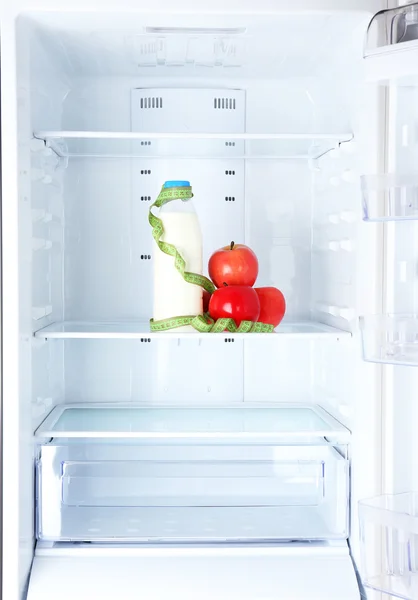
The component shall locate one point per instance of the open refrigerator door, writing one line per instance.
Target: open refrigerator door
(389, 522)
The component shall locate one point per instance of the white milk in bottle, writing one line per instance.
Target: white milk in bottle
(173, 296)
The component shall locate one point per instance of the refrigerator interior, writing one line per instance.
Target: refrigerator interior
(285, 181)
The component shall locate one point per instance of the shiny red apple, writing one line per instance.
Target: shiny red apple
(272, 305)
(235, 264)
(238, 302)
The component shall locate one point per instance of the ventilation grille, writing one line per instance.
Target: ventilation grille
(224, 103)
(151, 102)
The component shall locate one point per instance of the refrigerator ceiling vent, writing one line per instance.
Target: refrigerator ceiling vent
(225, 103)
(151, 102)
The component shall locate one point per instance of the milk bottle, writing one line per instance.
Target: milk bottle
(173, 296)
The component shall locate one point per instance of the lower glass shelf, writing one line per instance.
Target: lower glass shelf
(389, 544)
(390, 197)
(111, 490)
(390, 339)
(243, 421)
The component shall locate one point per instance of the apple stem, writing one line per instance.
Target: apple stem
(225, 284)
(232, 245)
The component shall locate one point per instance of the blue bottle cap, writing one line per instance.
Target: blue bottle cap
(176, 183)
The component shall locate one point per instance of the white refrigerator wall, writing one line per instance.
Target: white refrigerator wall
(51, 203)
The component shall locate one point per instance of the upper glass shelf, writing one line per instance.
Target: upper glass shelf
(191, 145)
(242, 422)
(137, 330)
(391, 45)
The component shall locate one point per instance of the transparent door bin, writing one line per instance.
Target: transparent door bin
(390, 197)
(391, 45)
(389, 544)
(392, 27)
(144, 491)
(390, 339)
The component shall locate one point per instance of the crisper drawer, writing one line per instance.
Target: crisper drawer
(121, 490)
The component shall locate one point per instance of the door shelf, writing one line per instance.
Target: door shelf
(391, 46)
(253, 421)
(390, 197)
(390, 523)
(137, 330)
(223, 146)
(390, 339)
(99, 491)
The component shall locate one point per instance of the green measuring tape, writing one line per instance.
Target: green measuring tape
(202, 323)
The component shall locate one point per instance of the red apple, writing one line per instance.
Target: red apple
(206, 299)
(272, 305)
(235, 264)
(238, 302)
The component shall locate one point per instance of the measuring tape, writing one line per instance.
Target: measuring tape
(202, 323)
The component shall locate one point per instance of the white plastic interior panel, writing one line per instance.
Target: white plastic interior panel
(224, 370)
(228, 44)
(391, 46)
(296, 573)
(102, 421)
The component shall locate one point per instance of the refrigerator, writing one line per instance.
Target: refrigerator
(175, 464)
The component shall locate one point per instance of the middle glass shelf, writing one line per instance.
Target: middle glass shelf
(138, 330)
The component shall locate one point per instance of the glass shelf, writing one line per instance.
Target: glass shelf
(390, 523)
(390, 197)
(391, 46)
(137, 330)
(201, 492)
(235, 422)
(191, 145)
(391, 339)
